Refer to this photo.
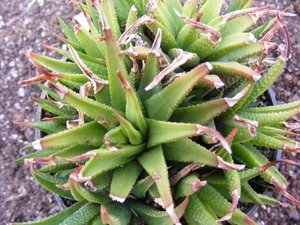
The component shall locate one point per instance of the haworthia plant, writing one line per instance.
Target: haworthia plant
(153, 119)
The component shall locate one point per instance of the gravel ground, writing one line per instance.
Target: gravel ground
(24, 25)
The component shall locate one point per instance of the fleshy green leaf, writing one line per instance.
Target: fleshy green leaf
(87, 134)
(106, 160)
(174, 93)
(83, 215)
(123, 180)
(159, 174)
(57, 218)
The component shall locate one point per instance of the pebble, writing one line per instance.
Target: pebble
(13, 72)
(21, 92)
(14, 136)
(41, 2)
(288, 77)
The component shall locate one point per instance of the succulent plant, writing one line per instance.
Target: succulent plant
(153, 117)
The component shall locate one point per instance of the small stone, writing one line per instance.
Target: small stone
(12, 64)
(41, 2)
(21, 92)
(288, 77)
(14, 136)
(13, 72)
(29, 134)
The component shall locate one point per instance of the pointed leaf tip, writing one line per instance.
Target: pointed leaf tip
(124, 37)
(232, 101)
(116, 198)
(177, 62)
(156, 43)
(104, 22)
(228, 166)
(58, 88)
(37, 145)
(206, 130)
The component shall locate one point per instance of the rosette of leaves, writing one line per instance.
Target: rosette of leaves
(152, 118)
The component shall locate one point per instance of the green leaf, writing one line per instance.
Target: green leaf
(123, 180)
(57, 168)
(237, 25)
(245, 53)
(96, 110)
(210, 10)
(252, 194)
(38, 154)
(49, 182)
(49, 127)
(150, 215)
(225, 69)
(54, 65)
(142, 186)
(231, 43)
(106, 160)
(123, 7)
(249, 155)
(173, 5)
(68, 31)
(115, 214)
(185, 150)
(161, 105)
(188, 186)
(153, 216)
(168, 40)
(98, 196)
(64, 110)
(134, 136)
(272, 109)
(238, 4)
(74, 45)
(110, 13)
(159, 174)
(115, 63)
(267, 119)
(58, 217)
(83, 215)
(267, 80)
(90, 46)
(201, 113)
(74, 150)
(134, 107)
(186, 36)
(132, 14)
(152, 68)
(170, 21)
(198, 213)
(87, 134)
(96, 221)
(266, 138)
(220, 205)
(263, 28)
(189, 9)
(163, 132)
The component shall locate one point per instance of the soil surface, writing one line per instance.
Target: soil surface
(24, 25)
